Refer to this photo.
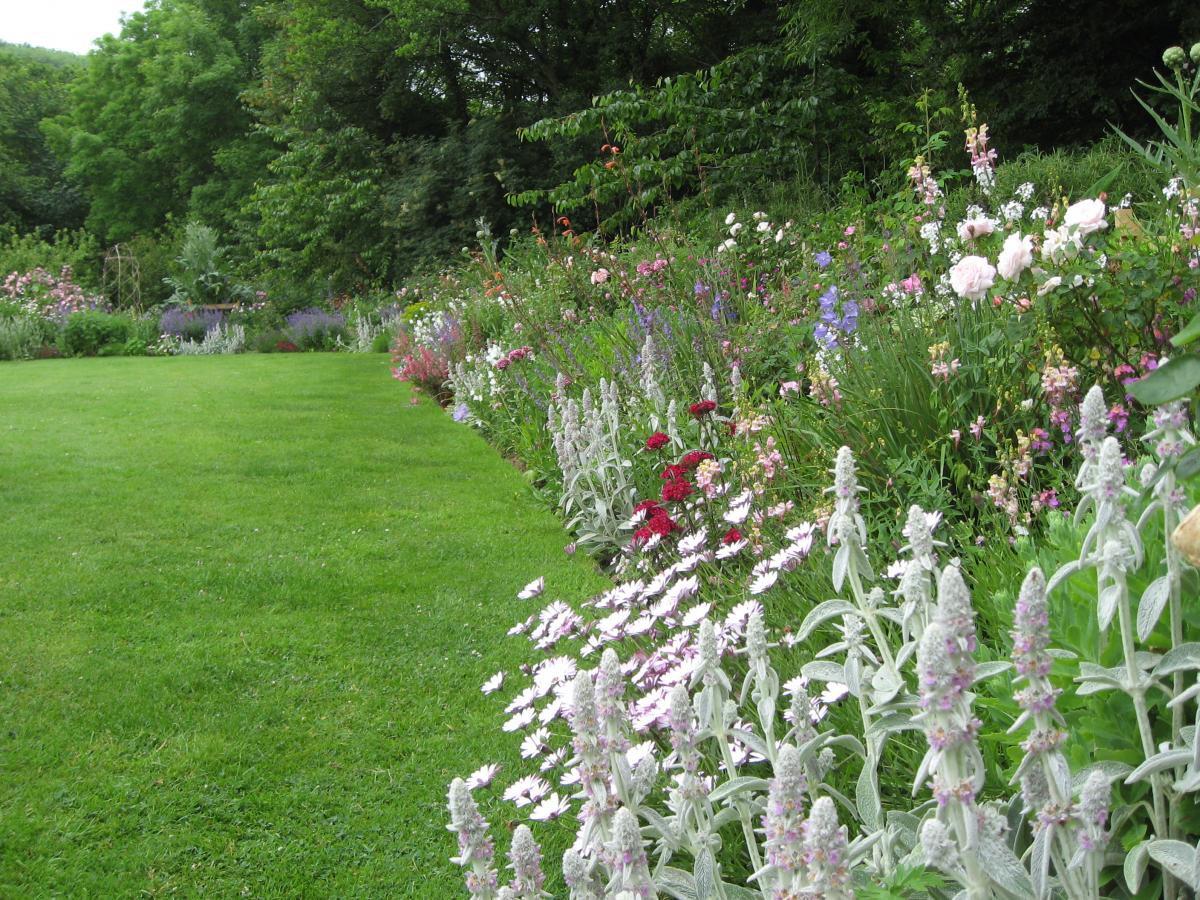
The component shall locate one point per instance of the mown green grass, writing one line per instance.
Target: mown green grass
(246, 605)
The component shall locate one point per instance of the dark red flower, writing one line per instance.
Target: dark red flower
(650, 507)
(693, 459)
(676, 490)
(642, 535)
(662, 525)
(657, 441)
(673, 471)
(732, 536)
(703, 408)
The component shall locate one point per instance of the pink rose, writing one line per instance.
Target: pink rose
(1085, 216)
(972, 277)
(600, 276)
(969, 229)
(1016, 257)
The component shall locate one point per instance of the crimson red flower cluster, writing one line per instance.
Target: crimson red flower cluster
(675, 490)
(657, 522)
(693, 459)
(657, 441)
(732, 536)
(701, 409)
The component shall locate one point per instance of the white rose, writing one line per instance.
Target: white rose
(731, 218)
(1085, 216)
(1051, 284)
(972, 277)
(1016, 257)
(969, 229)
(1061, 244)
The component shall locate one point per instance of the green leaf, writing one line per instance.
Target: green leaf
(1177, 378)
(1190, 332)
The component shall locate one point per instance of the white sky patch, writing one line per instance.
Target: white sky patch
(62, 24)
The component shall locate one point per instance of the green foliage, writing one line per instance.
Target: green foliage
(200, 275)
(87, 333)
(151, 110)
(78, 250)
(20, 336)
(34, 192)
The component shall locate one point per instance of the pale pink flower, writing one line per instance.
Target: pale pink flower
(972, 277)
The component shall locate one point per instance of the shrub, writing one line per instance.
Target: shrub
(315, 329)
(189, 324)
(75, 250)
(86, 332)
(20, 337)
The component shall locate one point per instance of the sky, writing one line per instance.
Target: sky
(61, 24)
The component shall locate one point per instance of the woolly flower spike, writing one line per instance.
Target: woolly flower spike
(845, 481)
(1093, 420)
(681, 719)
(1110, 473)
(938, 683)
(783, 821)
(1031, 628)
(826, 853)
(938, 845)
(474, 845)
(1093, 812)
(579, 878)
(954, 609)
(610, 702)
(526, 862)
(627, 858)
(710, 655)
(756, 637)
(919, 534)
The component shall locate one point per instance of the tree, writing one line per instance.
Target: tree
(34, 193)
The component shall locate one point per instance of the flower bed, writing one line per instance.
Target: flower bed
(802, 690)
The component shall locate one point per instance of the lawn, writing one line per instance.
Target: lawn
(246, 605)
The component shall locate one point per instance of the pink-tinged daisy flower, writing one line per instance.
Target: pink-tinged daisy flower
(553, 671)
(550, 808)
(482, 776)
(520, 720)
(764, 582)
(799, 532)
(554, 759)
(612, 625)
(739, 509)
(533, 589)
(690, 562)
(638, 752)
(569, 778)
(681, 590)
(521, 627)
(664, 607)
(731, 550)
(535, 743)
(834, 691)
(640, 625)
(695, 615)
(657, 584)
(896, 569)
(522, 700)
(527, 790)
(493, 684)
(735, 622)
(552, 710)
(693, 542)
